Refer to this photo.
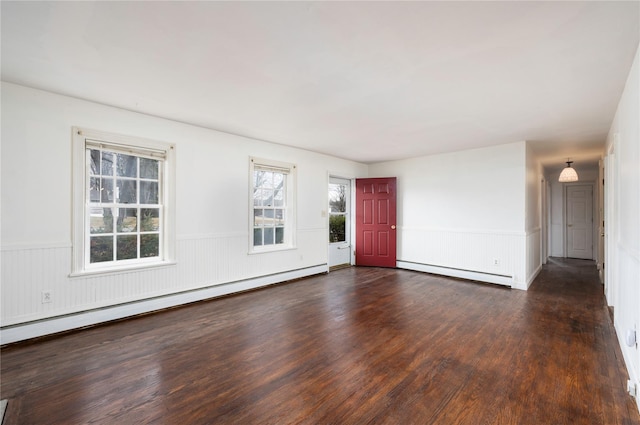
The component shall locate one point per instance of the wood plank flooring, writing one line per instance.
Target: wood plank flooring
(356, 346)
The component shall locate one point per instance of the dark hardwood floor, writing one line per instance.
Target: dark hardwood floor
(356, 346)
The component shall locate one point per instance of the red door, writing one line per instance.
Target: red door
(376, 222)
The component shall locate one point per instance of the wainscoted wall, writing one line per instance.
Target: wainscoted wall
(505, 258)
(622, 226)
(212, 216)
(203, 261)
(472, 220)
(464, 213)
(474, 251)
(627, 316)
(215, 259)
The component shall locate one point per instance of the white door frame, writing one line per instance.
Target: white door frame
(350, 246)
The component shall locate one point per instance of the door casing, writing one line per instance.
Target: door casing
(340, 253)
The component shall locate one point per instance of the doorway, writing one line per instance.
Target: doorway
(579, 224)
(339, 222)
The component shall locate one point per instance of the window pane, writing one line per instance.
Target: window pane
(149, 168)
(150, 220)
(100, 220)
(279, 234)
(268, 217)
(107, 163)
(94, 168)
(279, 217)
(127, 166)
(259, 178)
(337, 226)
(106, 190)
(94, 189)
(149, 245)
(337, 198)
(127, 220)
(148, 192)
(268, 235)
(264, 179)
(278, 180)
(126, 191)
(267, 197)
(127, 247)
(257, 198)
(257, 237)
(101, 249)
(278, 198)
(258, 217)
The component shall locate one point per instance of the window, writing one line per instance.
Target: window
(122, 202)
(272, 200)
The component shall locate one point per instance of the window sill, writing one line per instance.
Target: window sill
(267, 250)
(121, 269)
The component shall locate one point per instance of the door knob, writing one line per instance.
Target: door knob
(393, 226)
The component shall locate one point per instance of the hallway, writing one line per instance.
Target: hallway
(356, 346)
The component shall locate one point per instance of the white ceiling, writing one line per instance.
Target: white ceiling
(359, 80)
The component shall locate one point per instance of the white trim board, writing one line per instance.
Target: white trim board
(464, 274)
(54, 325)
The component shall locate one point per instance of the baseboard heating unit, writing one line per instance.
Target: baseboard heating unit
(497, 279)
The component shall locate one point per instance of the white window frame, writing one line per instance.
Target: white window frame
(84, 138)
(290, 172)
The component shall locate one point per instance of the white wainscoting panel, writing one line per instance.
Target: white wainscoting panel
(627, 315)
(202, 262)
(501, 256)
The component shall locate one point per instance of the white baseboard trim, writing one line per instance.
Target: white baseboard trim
(464, 274)
(21, 332)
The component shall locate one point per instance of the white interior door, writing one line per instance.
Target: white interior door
(339, 222)
(580, 221)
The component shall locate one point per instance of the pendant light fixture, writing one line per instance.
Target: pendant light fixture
(568, 174)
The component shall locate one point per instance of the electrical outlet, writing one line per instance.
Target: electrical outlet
(46, 297)
(496, 262)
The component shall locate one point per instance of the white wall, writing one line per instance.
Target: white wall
(211, 217)
(462, 211)
(533, 215)
(622, 218)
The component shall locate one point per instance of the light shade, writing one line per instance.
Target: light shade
(568, 174)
